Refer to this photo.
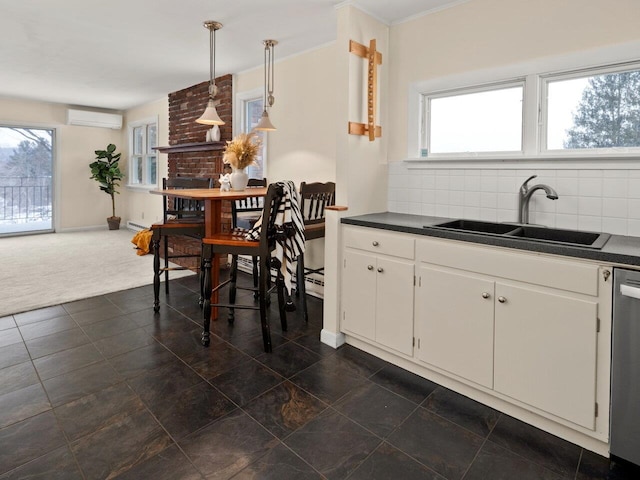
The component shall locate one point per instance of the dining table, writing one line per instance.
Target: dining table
(212, 198)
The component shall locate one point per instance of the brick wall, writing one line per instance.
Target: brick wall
(185, 106)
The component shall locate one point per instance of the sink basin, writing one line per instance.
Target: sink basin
(529, 232)
(567, 237)
(476, 226)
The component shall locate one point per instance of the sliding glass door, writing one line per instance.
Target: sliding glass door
(26, 179)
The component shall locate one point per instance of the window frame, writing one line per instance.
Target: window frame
(146, 156)
(426, 99)
(546, 79)
(534, 70)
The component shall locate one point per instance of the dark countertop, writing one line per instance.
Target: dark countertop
(619, 249)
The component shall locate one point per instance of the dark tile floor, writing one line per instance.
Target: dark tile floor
(103, 388)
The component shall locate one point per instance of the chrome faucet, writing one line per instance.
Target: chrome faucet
(524, 196)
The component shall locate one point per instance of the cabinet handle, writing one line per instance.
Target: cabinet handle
(485, 295)
(369, 267)
(502, 299)
(380, 270)
(375, 243)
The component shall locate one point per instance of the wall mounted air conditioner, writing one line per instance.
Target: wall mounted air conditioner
(86, 118)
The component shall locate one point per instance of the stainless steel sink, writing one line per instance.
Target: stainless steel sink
(532, 233)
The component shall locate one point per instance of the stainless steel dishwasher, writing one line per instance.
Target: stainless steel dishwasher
(625, 366)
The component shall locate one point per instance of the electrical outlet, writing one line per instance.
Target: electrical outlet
(142, 215)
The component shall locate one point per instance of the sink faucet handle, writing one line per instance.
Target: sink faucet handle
(523, 187)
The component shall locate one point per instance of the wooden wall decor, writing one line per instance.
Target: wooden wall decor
(374, 58)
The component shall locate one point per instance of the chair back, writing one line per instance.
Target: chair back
(245, 212)
(314, 198)
(184, 208)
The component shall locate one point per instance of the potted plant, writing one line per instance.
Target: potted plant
(106, 172)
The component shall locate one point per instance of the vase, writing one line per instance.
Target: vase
(215, 133)
(239, 179)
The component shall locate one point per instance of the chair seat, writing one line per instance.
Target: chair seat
(236, 238)
(314, 230)
(178, 222)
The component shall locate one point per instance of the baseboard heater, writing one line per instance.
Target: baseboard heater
(314, 285)
(136, 227)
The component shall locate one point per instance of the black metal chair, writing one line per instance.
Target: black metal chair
(314, 198)
(236, 243)
(181, 216)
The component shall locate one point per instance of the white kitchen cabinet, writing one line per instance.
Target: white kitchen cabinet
(527, 333)
(524, 325)
(454, 313)
(378, 284)
(545, 351)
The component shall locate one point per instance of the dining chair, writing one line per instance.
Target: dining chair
(237, 243)
(181, 217)
(314, 198)
(244, 214)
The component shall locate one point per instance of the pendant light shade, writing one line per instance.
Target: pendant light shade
(210, 115)
(265, 123)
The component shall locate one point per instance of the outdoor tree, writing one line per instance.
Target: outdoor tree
(31, 158)
(608, 114)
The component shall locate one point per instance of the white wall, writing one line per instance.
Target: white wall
(361, 164)
(78, 201)
(485, 34)
(303, 146)
(493, 34)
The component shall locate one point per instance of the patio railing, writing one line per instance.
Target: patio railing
(25, 199)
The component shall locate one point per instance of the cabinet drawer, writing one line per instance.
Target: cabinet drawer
(553, 272)
(378, 241)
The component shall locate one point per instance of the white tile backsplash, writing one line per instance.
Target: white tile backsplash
(595, 200)
(615, 187)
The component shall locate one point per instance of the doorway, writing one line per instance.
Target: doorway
(26, 180)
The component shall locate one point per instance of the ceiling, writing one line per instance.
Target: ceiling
(118, 54)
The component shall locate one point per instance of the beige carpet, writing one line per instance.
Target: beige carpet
(43, 270)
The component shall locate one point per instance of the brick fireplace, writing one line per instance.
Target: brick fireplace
(204, 160)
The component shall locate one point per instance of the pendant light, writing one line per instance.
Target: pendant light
(265, 124)
(210, 115)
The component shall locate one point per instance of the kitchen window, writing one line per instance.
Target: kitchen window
(143, 159)
(594, 111)
(487, 119)
(579, 113)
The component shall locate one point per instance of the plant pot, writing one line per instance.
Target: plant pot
(239, 179)
(114, 223)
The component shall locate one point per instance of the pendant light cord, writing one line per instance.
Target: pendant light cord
(212, 62)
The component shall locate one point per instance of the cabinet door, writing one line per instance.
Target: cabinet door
(394, 304)
(455, 315)
(545, 352)
(359, 294)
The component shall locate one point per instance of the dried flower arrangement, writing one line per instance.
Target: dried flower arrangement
(242, 150)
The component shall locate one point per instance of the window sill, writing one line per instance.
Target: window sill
(141, 188)
(622, 161)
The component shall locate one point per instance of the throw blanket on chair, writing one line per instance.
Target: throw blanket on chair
(288, 231)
